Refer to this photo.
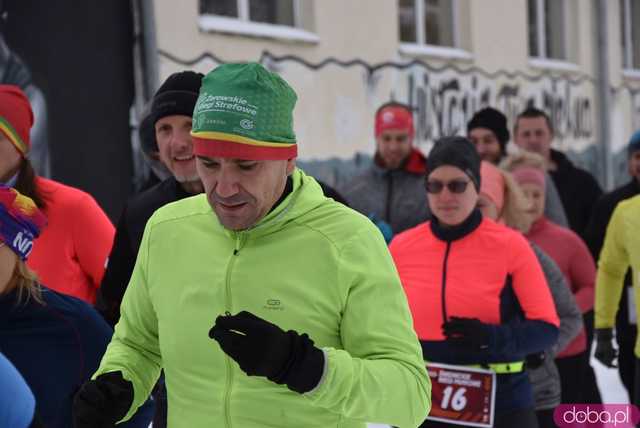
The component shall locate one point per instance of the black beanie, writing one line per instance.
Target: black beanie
(458, 152)
(177, 95)
(493, 120)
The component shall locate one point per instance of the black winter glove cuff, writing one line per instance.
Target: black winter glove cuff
(469, 332)
(535, 360)
(605, 352)
(604, 334)
(102, 402)
(263, 349)
(303, 369)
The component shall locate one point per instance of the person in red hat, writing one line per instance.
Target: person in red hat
(391, 192)
(70, 254)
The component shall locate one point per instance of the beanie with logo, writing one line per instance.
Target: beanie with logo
(244, 111)
(394, 117)
(20, 221)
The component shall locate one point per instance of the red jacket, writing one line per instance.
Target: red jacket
(477, 270)
(70, 254)
(481, 270)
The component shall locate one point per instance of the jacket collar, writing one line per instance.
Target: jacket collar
(450, 234)
(304, 194)
(537, 226)
(561, 160)
(415, 163)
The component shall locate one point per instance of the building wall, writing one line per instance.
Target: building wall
(358, 64)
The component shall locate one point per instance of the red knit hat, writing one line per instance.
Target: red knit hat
(16, 117)
(394, 117)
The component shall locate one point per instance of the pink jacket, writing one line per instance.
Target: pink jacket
(574, 260)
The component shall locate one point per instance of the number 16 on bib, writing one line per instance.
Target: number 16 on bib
(462, 395)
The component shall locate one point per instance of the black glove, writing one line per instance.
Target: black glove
(102, 402)
(535, 360)
(605, 352)
(264, 349)
(469, 332)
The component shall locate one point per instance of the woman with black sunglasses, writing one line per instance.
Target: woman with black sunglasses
(478, 297)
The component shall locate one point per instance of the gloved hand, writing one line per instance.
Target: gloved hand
(469, 332)
(263, 349)
(102, 402)
(535, 360)
(605, 352)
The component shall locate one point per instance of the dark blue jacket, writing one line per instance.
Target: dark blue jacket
(56, 347)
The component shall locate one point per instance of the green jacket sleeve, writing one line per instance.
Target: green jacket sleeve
(380, 374)
(612, 266)
(134, 349)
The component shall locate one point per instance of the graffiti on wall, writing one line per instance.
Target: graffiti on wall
(444, 105)
(342, 96)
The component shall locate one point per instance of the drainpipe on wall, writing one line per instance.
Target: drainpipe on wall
(150, 47)
(145, 52)
(145, 72)
(603, 94)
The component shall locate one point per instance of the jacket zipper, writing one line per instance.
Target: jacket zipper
(229, 305)
(444, 282)
(389, 198)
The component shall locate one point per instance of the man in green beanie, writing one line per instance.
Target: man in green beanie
(266, 303)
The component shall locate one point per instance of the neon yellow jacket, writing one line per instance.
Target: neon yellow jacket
(621, 249)
(311, 265)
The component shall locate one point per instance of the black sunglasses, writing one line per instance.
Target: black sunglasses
(455, 186)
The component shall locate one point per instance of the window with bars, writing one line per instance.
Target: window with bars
(427, 22)
(547, 25)
(630, 28)
(278, 12)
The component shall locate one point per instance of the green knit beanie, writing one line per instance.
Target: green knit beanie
(244, 111)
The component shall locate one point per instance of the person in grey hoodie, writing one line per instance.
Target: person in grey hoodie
(502, 200)
(391, 191)
(542, 370)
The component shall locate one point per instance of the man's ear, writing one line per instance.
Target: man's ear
(291, 165)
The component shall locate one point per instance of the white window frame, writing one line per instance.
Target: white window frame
(243, 26)
(420, 47)
(627, 53)
(542, 35)
(544, 62)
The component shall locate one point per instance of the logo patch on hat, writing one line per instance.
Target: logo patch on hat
(388, 117)
(247, 124)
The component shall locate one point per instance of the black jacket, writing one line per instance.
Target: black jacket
(127, 242)
(578, 191)
(597, 230)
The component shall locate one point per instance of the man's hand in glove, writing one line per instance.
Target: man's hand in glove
(102, 402)
(605, 352)
(264, 349)
(469, 332)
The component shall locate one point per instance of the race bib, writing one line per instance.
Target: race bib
(462, 395)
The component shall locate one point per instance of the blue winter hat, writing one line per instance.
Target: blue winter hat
(634, 143)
